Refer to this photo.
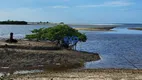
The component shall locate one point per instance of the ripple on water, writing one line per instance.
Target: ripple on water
(116, 50)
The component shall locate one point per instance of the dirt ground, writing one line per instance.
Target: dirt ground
(98, 74)
(31, 55)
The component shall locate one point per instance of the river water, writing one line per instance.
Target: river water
(120, 48)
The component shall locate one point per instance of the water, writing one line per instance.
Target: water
(120, 48)
(116, 51)
(19, 30)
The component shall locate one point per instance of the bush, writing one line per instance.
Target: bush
(56, 33)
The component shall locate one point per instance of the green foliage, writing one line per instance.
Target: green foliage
(56, 33)
(31, 36)
(37, 34)
(61, 23)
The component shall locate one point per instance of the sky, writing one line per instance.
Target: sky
(73, 11)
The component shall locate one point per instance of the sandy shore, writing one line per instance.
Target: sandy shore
(135, 28)
(96, 28)
(95, 74)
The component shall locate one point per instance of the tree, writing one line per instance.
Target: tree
(13, 22)
(37, 34)
(40, 22)
(61, 23)
(56, 33)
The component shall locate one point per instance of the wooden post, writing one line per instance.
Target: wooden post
(11, 37)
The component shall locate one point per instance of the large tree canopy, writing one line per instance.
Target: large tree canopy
(56, 33)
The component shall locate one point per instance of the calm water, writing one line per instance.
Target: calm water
(116, 51)
(19, 30)
(121, 48)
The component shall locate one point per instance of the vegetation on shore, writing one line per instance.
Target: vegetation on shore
(14, 22)
(96, 28)
(135, 28)
(57, 34)
(45, 55)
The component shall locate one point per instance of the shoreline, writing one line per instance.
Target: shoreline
(140, 29)
(93, 74)
(96, 28)
(26, 55)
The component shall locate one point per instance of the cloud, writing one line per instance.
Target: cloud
(59, 6)
(108, 4)
(118, 3)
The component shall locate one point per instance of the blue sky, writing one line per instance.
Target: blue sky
(73, 11)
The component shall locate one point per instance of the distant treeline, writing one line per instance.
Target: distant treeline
(13, 22)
